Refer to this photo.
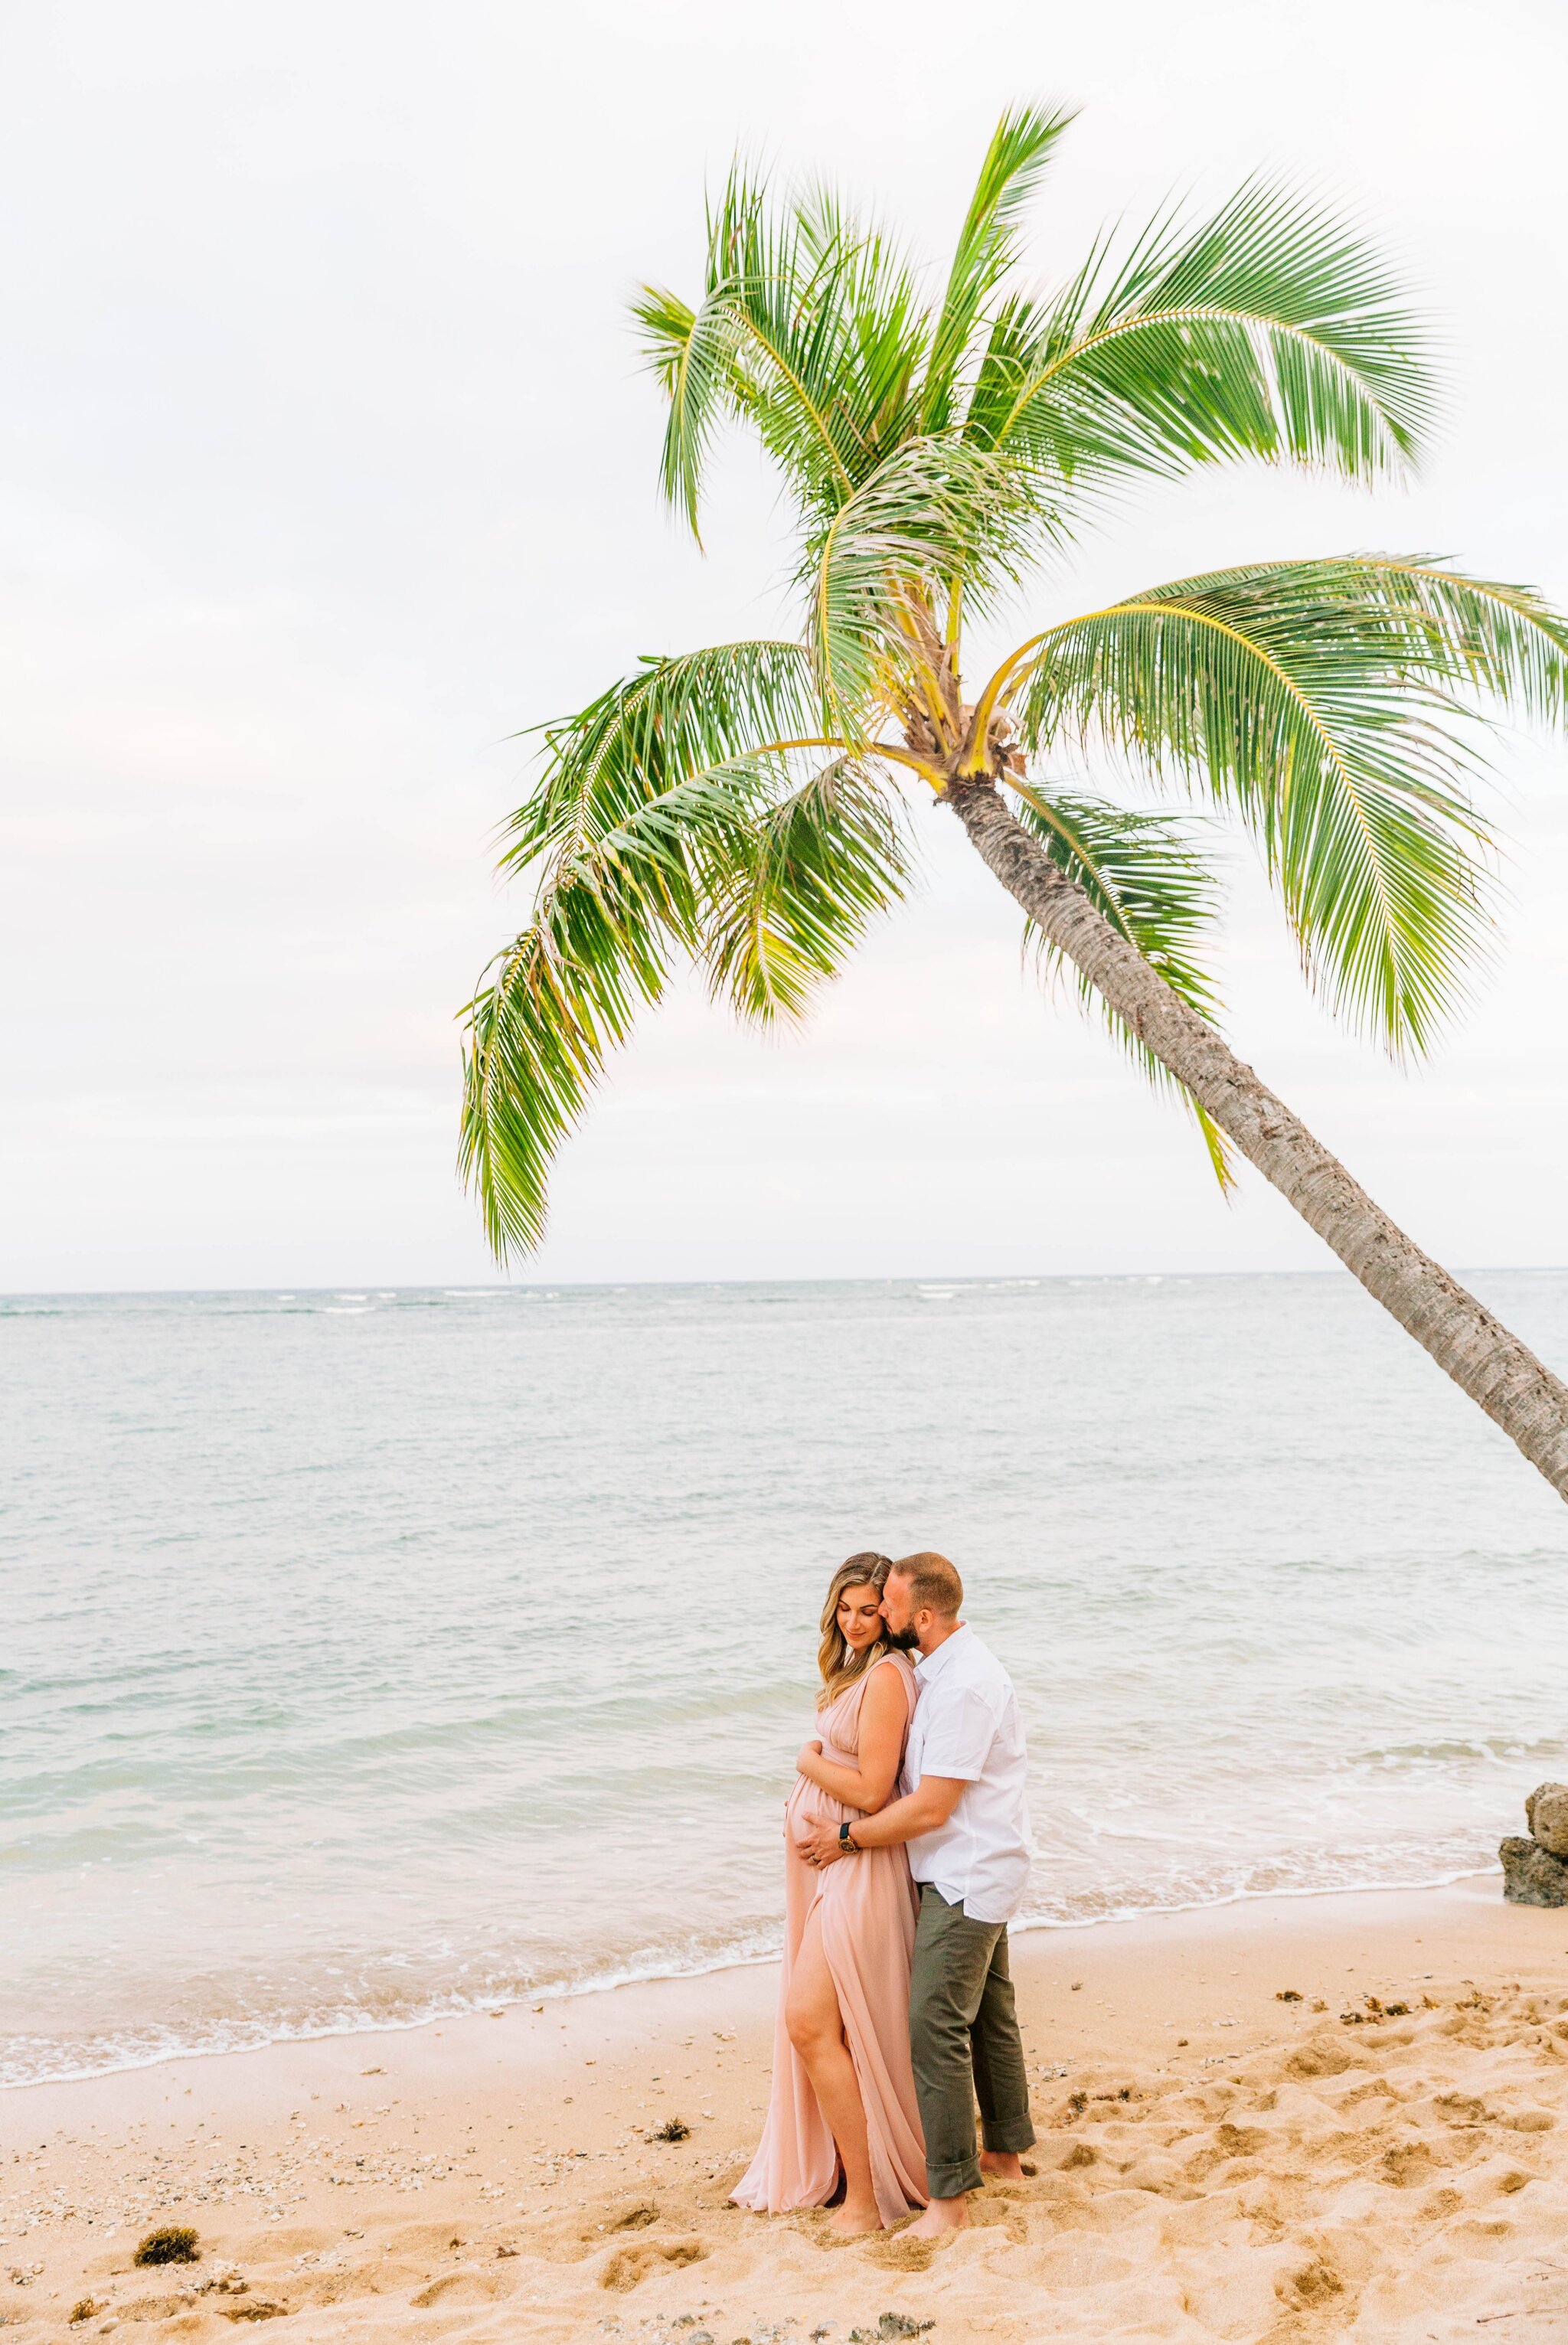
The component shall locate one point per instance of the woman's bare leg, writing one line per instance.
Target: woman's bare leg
(816, 2028)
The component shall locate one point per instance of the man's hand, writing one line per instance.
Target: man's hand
(925, 1807)
(821, 1846)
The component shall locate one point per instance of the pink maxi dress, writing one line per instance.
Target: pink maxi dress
(868, 1909)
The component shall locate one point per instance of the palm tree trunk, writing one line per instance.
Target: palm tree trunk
(1484, 1360)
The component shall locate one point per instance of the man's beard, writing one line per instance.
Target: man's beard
(904, 1640)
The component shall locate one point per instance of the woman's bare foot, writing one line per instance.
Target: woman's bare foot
(854, 2220)
(942, 2216)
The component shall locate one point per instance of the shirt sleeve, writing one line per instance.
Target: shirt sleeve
(958, 1732)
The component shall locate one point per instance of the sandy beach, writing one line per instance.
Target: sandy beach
(1313, 2116)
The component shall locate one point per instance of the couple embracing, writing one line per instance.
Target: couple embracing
(906, 1855)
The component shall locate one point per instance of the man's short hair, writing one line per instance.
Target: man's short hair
(934, 1583)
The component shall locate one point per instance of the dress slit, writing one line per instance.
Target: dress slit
(868, 1907)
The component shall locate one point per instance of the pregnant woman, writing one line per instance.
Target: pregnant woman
(843, 2099)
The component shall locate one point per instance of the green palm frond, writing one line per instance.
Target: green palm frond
(884, 336)
(732, 809)
(1322, 700)
(764, 341)
(1142, 870)
(612, 914)
(987, 249)
(537, 1032)
(935, 512)
(692, 354)
(674, 716)
(1271, 330)
(648, 800)
(810, 329)
(1491, 641)
(665, 322)
(815, 871)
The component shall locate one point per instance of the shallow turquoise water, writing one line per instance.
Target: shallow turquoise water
(366, 1655)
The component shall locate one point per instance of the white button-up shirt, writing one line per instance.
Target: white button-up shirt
(966, 1725)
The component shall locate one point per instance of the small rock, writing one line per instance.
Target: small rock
(1546, 1813)
(1531, 1875)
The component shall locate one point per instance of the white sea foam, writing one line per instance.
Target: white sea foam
(355, 1676)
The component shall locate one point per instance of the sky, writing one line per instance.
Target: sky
(328, 470)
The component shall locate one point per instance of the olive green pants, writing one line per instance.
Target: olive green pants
(964, 2043)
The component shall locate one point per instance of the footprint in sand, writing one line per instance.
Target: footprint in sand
(1312, 2285)
(894, 2251)
(628, 2266)
(462, 2288)
(621, 2215)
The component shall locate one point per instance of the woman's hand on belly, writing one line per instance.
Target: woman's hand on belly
(813, 1808)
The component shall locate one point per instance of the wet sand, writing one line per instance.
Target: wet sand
(1213, 2162)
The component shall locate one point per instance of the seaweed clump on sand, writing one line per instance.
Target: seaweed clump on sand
(175, 2244)
(672, 2129)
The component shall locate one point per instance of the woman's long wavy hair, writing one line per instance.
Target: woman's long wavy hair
(839, 1667)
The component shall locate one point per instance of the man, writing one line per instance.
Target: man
(965, 1823)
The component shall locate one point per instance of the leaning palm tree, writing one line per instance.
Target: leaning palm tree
(747, 805)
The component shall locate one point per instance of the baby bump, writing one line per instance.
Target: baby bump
(808, 1807)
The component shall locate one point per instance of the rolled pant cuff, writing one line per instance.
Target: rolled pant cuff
(952, 2181)
(1009, 2135)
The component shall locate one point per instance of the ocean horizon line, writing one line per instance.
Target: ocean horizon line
(379, 1290)
(355, 1675)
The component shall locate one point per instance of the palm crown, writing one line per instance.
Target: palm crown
(746, 805)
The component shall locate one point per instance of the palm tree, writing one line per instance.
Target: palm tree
(744, 805)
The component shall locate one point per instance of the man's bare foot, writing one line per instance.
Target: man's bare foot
(942, 2216)
(1004, 2164)
(855, 2219)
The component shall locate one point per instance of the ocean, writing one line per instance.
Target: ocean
(371, 1655)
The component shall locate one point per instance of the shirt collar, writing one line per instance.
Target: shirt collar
(931, 1664)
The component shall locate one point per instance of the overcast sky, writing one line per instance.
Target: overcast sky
(328, 467)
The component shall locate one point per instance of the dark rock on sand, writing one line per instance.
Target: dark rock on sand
(1531, 1875)
(1546, 1813)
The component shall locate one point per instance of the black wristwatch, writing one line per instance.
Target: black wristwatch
(847, 1847)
